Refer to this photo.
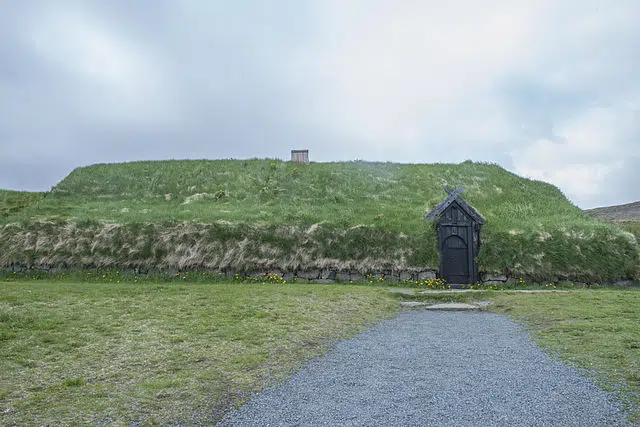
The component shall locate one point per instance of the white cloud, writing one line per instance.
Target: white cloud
(424, 80)
(590, 148)
(407, 71)
(598, 132)
(547, 88)
(117, 78)
(557, 163)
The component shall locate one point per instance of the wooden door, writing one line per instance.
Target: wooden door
(455, 258)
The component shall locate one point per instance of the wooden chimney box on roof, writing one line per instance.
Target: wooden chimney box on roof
(458, 227)
(300, 156)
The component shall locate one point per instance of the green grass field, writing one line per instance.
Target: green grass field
(249, 215)
(97, 353)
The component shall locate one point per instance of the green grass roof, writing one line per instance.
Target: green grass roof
(531, 228)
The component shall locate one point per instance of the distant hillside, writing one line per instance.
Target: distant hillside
(627, 212)
(255, 214)
(627, 216)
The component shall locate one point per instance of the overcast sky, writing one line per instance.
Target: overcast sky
(548, 89)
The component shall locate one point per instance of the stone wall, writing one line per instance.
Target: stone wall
(326, 275)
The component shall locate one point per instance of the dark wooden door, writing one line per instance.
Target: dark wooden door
(455, 260)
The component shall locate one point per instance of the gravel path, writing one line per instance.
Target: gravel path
(433, 368)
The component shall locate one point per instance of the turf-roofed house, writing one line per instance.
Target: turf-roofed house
(342, 221)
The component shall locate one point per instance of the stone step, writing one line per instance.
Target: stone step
(453, 306)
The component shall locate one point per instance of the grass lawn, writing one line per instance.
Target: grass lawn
(93, 353)
(96, 353)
